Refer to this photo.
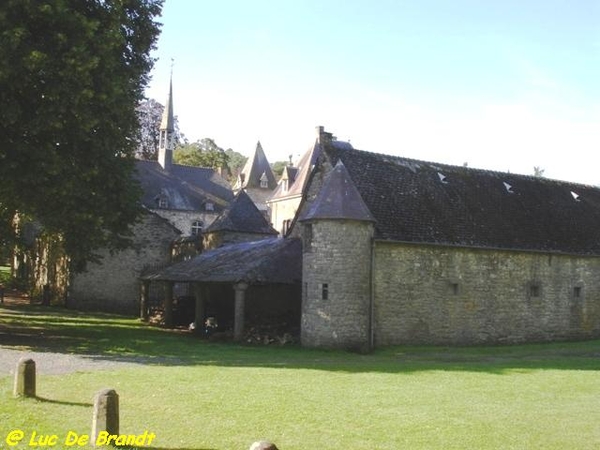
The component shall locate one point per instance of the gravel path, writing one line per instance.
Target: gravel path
(49, 363)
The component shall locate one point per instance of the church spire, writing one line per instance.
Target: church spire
(167, 131)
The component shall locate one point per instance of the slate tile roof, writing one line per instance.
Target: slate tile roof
(256, 168)
(272, 260)
(424, 202)
(184, 187)
(241, 216)
(338, 199)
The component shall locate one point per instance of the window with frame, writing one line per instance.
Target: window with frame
(577, 292)
(535, 290)
(325, 291)
(209, 206)
(307, 237)
(196, 227)
(163, 203)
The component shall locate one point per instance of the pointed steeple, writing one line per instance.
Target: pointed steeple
(167, 131)
(339, 199)
(257, 172)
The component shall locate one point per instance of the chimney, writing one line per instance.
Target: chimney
(323, 137)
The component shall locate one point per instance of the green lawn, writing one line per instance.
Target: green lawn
(198, 395)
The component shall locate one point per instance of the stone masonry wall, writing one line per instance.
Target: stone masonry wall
(113, 285)
(336, 265)
(182, 220)
(442, 295)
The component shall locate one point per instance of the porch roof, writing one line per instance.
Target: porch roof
(273, 260)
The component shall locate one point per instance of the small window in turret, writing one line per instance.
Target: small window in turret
(307, 237)
(325, 291)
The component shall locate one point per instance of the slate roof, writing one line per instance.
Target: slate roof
(272, 260)
(298, 176)
(184, 187)
(168, 121)
(338, 199)
(241, 216)
(256, 167)
(424, 202)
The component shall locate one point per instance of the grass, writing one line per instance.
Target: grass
(198, 395)
(4, 275)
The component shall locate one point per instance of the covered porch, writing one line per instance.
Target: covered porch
(258, 280)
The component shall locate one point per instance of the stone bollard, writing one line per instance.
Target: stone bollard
(25, 378)
(106, 414)
(263, 445)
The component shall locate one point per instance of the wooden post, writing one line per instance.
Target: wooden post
(200, 311)
(25, 378)
(106, 414)
(144, 299)
(168, 304)
(238, 319)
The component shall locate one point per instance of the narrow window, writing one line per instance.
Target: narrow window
(196, 227)
(305, 293)
(264, 183)
(454, 288)
(577, 292)
(325, 291)
(163, 203)
(534, 290)
(307, 237)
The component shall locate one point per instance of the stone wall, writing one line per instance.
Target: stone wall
(282, 210)
(442, 295)
(336, 283)
(113, 285)
(182, 220)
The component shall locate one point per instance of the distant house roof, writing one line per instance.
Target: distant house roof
(418, 201)
(257, 168)
(270, 260)
(241, 216)
(297, 177)
(183, 187)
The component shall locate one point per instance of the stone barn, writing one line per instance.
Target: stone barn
(400, 251)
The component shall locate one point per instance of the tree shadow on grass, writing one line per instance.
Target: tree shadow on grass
(105, 337)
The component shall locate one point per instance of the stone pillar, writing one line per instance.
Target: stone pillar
(168, 304)
(106, 413)
(25, 378)
(144, 299)
(238, 318)
(200, 311)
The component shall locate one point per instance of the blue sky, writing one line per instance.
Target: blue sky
(502, 85)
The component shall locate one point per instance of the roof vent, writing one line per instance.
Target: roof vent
(442, 178)
(575, 196)
(508, 187)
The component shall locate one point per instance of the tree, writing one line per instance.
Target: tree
(71, 75)
(149, 113)
(237, 161)
(278, 167)
(538, 171)
(202, 153)
(149, 116)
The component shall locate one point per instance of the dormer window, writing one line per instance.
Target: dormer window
(196, 227)
(163, 203)
(209, 206)
(264, 181)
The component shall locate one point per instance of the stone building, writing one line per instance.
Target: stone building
(286, 198)
(180, 202)
(257, 179)
(399, 251)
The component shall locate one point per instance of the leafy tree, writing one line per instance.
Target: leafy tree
(202, 153)
(149, 113)
(71, 75)
(538, 172)
(278, 167)
(236, 162)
